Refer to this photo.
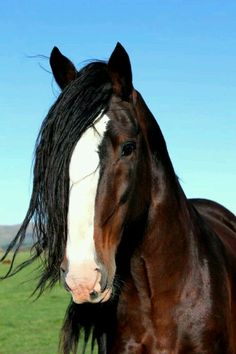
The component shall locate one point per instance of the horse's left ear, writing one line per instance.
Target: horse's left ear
(120, 71)
(63, 69)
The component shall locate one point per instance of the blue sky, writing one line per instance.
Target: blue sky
(183, 56)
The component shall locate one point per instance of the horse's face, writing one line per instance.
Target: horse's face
(107, 175)
(104, 181)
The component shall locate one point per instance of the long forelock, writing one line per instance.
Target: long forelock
(74, 111)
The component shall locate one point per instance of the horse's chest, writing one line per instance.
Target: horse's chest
(138, 332)
(167, 328)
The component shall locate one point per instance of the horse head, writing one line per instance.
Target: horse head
(109, 182)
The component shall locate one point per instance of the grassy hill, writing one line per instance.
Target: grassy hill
(28, 326)
(7, 233)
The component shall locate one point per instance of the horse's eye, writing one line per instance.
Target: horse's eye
(128, 148)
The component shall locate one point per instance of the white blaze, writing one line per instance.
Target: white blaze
(84, 175)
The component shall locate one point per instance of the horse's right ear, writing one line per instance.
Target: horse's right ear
(63, 69)
(120, 72)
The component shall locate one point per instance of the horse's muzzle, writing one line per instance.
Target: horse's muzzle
(87, 288)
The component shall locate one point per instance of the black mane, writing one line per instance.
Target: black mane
(74, 111)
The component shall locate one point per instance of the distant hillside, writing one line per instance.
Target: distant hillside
(7, 233)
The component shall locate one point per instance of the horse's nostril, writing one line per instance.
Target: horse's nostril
(93, 295)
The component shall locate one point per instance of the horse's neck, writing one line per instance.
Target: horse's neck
(156, 270)
(168, 240)
(169, 223)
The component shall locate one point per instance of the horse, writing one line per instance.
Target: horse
(148, 270)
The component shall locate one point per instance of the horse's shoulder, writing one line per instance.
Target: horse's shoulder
(221, 221)
(210, 209)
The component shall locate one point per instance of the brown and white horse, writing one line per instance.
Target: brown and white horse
(149, 271)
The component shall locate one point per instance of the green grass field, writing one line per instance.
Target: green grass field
(28, 326)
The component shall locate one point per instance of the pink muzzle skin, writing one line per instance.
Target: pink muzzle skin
(86, 288)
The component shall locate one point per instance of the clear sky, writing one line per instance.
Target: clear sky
(183, 55)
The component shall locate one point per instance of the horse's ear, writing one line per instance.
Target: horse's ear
(63, 69)
(120, 71)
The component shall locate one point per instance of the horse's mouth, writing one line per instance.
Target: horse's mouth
(107, 294)
(92, 297)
